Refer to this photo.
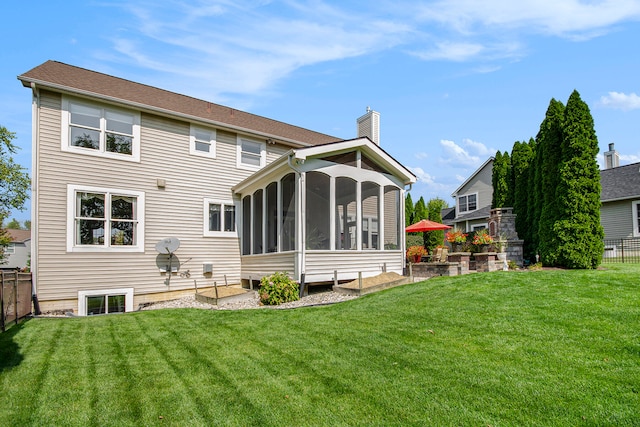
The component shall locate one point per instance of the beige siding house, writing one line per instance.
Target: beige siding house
(119, 166)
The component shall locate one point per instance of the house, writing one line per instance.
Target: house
(620, 196)
(18, 252)
(141, 194)
(472, 200)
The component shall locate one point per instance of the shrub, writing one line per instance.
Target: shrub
(277, 289)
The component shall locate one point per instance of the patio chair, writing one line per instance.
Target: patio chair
(437, 255)
(444, 255)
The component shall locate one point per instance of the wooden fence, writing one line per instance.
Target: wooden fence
(15, 297)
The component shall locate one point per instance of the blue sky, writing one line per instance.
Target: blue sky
(453, 80)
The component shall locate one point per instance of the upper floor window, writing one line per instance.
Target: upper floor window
(98, 130)
(467, 203)
(202, 142)
(219, 218)
(251, 154)
(104, 219)
(10, 249)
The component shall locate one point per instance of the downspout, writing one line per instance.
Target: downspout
(302, 210)
(35, 126)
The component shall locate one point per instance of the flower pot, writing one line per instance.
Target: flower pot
(417, 258)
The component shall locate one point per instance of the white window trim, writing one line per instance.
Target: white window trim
(636, 228)
(192, 142)
(467, 199)
(82, 298)
(10, 249)
(205, 218)
(71, 205)
(65, 143)
(263, 153)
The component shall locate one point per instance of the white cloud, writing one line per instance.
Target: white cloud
(568, 18)
(422, 155)
(452, 51)
(478, 147)
(621, 101)
(422, 175)
(629, 158)
(456, 155)
(246, 47)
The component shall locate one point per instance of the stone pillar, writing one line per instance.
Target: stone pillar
(502, 227)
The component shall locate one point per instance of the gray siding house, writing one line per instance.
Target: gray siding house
(17, 254)
(472, 200)
(119, 167)
(620, 211)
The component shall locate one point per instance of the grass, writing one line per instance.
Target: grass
(506, 348)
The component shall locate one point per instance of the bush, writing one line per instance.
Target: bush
(277, 289)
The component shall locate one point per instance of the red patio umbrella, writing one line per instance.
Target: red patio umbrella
(426, 225)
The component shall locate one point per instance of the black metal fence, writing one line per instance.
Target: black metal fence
(621, 250)
(15, 297)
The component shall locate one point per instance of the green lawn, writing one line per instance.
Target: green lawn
(505, 348)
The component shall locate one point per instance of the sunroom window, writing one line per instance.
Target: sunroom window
(318, 211)
(345, 214)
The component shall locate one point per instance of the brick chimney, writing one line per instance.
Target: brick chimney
(369, 125)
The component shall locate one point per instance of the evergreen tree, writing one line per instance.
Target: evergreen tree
(579, 232)
(420, 210)
(510, 183)
(521, 155)
(434, 212)
(532, 188)
(500, 180)
(408, 210)
(550, 150)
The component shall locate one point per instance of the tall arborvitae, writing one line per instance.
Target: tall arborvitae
(521, 155)
(510, 196)
(528, 234)
(408, 210)
(500, 180)
(434, 212)
(579, 232)
(550, 151)
(420, 210)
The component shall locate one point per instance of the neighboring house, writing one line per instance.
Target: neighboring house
(620, 196)
(118, 167)
(17, 253)
(472, 200)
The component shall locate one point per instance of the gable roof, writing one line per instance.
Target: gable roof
(489, 160)
(79, 81)
(620, 183)
(301, 154)
(18, 236)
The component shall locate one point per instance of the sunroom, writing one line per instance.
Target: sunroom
(323, 212)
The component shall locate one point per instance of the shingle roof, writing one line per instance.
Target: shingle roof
(19, 235)
(68, 78)
(620, 183)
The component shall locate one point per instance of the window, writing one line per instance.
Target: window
(246, 225)
(318, 224)
(636, 219)
(370, 194)
(10, 249)
(105, 301)
(202, 142)
(101, 131)
(219, 218)
(393, 227)
(467, 203)
(345, 213)
(288, 213)
(271, 217)
(257, 221)
(251, 154)
(104, 219)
